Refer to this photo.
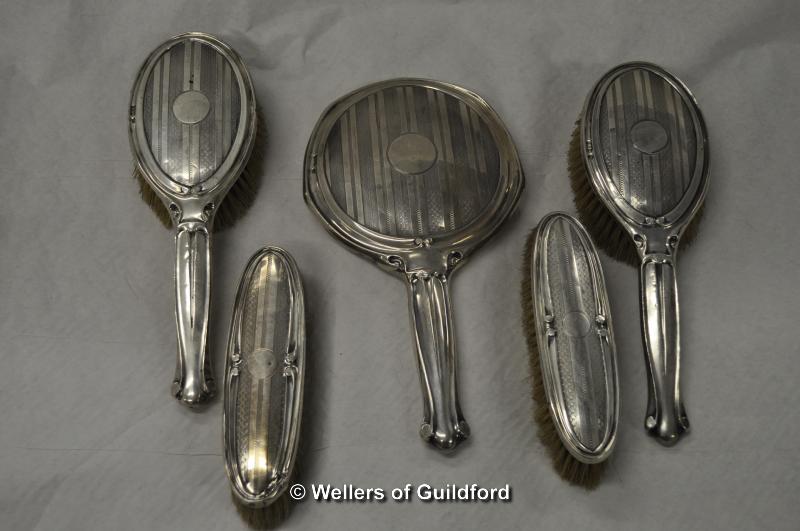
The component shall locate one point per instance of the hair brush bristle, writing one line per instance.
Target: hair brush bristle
(239, 198)
(151, 199)
(569, 468)
(604, 228)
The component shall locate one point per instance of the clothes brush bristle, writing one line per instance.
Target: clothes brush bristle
(268, 517)
(274, 514)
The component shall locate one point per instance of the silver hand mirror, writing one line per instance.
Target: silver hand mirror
(416, 175)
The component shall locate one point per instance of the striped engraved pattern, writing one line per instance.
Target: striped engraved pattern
(582, 374)
(190, 153)
(411, 161)
(648, 141)
(262, 388)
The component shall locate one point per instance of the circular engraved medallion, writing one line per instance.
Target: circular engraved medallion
(261, 363)
(649, 136)
(191, 107)
(576, 324)
(412, 154)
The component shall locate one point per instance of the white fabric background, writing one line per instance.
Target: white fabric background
(89, 436)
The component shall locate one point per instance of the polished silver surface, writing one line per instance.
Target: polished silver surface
(645, 145)
(575, 338)
(264, 373)
(192, 128)
(416, 175)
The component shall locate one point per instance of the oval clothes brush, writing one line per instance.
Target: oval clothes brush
(639, 170)
(572, 351)
(192, 131)
(416, 175)
(264, 373)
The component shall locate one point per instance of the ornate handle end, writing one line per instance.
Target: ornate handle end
(193, 393)
(669, 429)
(446, 437)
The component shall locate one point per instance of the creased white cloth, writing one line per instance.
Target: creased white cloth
(89, 436)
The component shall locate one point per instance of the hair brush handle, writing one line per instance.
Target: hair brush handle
(194, 383)
(666, 418)
(443, 425)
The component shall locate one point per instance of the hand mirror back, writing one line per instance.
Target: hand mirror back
(416, 175)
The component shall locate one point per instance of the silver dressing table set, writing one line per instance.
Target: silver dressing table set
(416, 175)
